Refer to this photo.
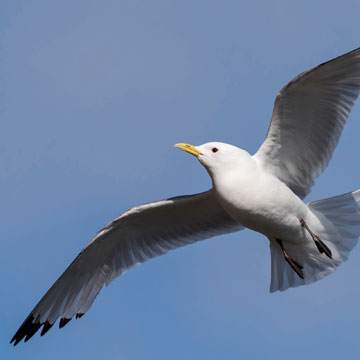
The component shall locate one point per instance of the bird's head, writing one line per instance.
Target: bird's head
(216, 156)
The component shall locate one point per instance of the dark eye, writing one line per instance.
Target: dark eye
(214, 150)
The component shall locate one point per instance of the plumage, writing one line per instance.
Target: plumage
(308, 118)
(139, 234)
(262, 192)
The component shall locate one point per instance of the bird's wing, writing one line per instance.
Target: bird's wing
(139, 234)
(308, 117)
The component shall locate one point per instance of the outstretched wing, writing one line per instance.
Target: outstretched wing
(139, 234)
(309, 115)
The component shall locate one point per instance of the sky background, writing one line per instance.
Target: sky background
(93, 95)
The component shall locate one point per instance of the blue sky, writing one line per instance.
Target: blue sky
(93, 95)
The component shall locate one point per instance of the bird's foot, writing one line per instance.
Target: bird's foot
(292, 262)
(294, 265)
(323, 249)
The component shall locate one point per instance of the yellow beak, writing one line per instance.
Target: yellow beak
(188, 148)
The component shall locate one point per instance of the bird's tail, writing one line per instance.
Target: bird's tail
(339, 229)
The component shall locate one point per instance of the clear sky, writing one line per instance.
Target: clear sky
(93, 95)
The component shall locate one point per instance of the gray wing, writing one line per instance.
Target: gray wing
(309, 115)
(139, 234)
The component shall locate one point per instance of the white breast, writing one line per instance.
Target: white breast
(260, 201)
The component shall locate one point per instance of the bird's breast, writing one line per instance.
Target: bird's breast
(262, 203)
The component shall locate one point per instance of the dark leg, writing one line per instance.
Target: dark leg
(319, 244)
(294, 264)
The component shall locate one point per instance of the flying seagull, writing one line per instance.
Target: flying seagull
(262, 192)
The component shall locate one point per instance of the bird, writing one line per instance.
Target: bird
(263, 192)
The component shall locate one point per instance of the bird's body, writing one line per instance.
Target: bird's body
(263, 192)
(258, 200)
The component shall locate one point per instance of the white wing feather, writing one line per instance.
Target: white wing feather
(139, 234)
(309, 115)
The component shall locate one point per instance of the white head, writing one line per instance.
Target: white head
(216, 156)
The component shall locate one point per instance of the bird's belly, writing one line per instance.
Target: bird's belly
(276, 213)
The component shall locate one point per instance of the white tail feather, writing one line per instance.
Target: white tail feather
(339, 229)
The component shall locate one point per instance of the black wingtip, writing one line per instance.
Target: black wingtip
(29, 328)
(26, 330)
(63, 322)
(16, 342)
(46, 328)
(32, 331)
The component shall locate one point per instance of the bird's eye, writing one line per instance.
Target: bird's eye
(214, 149)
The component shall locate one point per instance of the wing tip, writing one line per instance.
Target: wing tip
(26, 330)
(47, 326)
(79, 315)
(29, 328)
(63, 322)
